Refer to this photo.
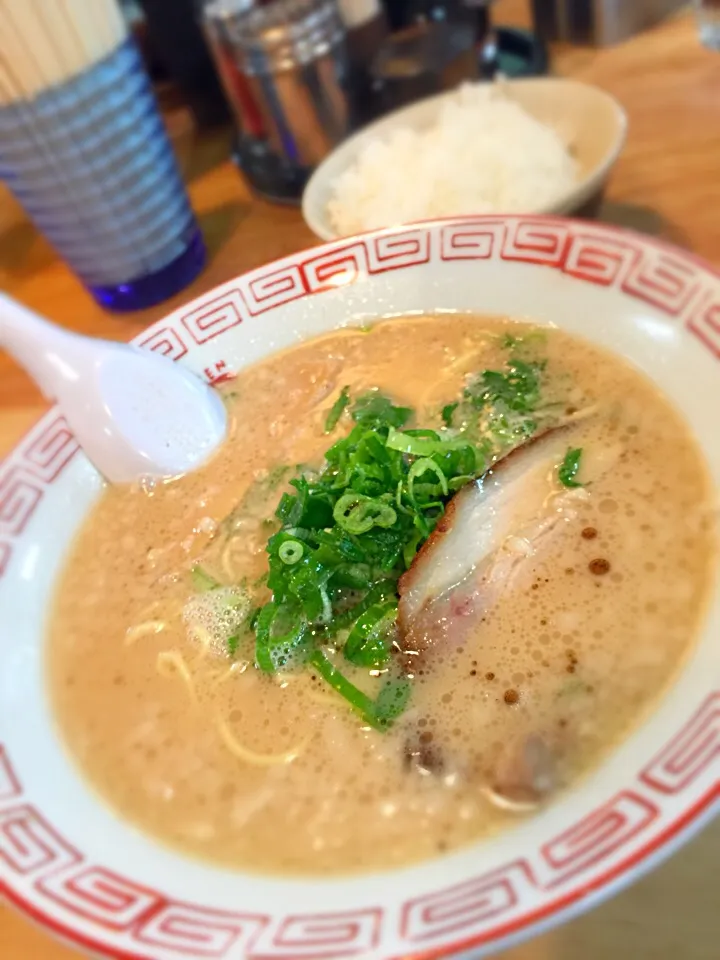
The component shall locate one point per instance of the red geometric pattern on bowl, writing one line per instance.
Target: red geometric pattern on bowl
(338, 267)
(689, 754)
(194, 931)
(590, 841)
(99, 895)
(20, 494)
(705, 322)
(477, 902)
(480, 239)
(398, 251)
(215, 317)
(51, 450)
(323, 935)
(29, 845)
(39, 460)
(540, 242)
(665, 281)
(165, 340)
(603, 261)
(272, 289)
(101, 911)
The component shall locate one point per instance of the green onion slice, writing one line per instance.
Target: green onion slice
(357, 513)
(291, 551)
(369, 641)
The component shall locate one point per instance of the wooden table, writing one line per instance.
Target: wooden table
(667, 183)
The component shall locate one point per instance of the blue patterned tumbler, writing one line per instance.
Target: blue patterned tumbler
(84, 150)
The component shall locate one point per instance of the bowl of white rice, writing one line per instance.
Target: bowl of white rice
(540, 145)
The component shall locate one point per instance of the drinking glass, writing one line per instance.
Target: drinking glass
(84, 150)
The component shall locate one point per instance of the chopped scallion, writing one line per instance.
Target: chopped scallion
(359, 701)
(422, 466)
(447, 413)
(380, 713)
(392, 701)
(356, 513)
(368, 644)
(424, 446)
(349, 530)
(291, 551)
(336, 410)
(568, 469)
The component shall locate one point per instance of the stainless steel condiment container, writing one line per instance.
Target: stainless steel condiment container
(216, 15)
(285, 70)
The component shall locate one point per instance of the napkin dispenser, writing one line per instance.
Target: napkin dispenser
(598, 22)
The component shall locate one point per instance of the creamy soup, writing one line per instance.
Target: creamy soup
(376, 701)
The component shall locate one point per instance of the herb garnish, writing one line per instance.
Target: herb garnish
(368, 643)
(567, 471)
(499, 407)
(337, 409)
(348, 533)
(378, 713)
(350, 530)
(507, 400)
(447, 412)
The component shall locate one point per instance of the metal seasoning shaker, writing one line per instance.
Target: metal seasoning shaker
(290, 68)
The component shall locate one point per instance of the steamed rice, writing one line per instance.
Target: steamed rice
(483, 154)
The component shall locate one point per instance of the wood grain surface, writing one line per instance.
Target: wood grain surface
(666, 183)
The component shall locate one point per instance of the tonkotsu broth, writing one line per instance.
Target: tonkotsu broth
(572, 656)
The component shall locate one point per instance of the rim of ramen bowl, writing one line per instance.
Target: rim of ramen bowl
(676, 283)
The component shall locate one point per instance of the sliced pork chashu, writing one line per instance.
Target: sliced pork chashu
(489, 529)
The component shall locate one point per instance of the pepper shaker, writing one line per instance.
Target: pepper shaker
(286, 70)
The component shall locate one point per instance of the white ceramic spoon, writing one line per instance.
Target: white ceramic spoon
(135, 414)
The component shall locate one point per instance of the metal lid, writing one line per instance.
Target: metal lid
(286, 34)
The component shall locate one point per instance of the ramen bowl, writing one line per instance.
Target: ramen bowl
(71, 864)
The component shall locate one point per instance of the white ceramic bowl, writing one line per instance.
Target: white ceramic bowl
(71, 864)
(590, 121)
